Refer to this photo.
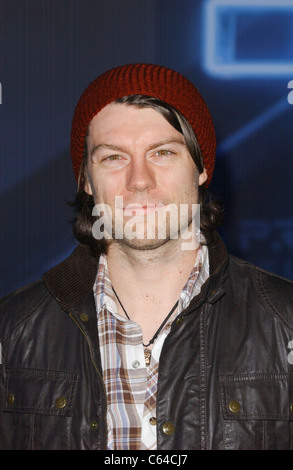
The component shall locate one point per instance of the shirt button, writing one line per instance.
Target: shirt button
(234, 406)
(153, 421)
(135, 364)
(168, 428)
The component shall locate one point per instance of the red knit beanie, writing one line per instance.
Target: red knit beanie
(144, 79)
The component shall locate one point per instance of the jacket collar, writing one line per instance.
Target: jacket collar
(213, 289)
(72, 280)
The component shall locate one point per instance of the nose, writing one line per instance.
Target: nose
(140, 176)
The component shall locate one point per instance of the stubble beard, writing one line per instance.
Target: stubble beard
(172, 235)
(173, 230)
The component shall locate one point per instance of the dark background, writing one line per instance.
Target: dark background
(52, 49)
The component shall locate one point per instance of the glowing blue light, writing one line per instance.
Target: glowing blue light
(254, 125)
(225, 52)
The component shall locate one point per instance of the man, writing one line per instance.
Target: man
(147, 341)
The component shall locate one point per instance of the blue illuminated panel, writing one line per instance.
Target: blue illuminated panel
(252, 38)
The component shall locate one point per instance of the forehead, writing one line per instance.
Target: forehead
(119, 120)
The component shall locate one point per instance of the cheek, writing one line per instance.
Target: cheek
(105, 189)
(187, 179)
(189, 188)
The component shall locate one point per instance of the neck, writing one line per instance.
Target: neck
(154, 277)
(149, 282)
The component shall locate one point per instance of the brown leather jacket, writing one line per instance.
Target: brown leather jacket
(226, 370)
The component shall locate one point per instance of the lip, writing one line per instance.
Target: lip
(139, 209)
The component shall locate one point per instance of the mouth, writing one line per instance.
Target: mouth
(142, 209)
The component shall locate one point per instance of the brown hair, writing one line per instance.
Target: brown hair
(211, 214)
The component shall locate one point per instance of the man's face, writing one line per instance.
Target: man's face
(136, 154)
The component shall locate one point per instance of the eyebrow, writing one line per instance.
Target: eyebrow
(98, 147)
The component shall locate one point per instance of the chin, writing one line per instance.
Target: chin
(142, 244)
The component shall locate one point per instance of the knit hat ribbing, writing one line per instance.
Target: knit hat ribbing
(144, 79)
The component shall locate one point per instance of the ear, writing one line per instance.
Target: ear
(202, 177)
(88, 187)
(86, 181)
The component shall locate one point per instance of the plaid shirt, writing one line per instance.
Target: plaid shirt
(131, 386)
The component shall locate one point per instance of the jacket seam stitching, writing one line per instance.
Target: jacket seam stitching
(32, 420)
(269, 302)
(254, 377)
(203, 378)
(19, 323)
(261, 416)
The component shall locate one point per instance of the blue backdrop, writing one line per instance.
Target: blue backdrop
(239, 54)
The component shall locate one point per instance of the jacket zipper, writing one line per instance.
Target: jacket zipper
(96, 368)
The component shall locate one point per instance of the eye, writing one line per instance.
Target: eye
(113, 158)
(113, 161)
(163, 153)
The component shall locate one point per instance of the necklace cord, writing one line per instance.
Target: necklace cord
(160, 327)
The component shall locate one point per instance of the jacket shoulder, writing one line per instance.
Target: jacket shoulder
(20, 304)
(275, 291)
